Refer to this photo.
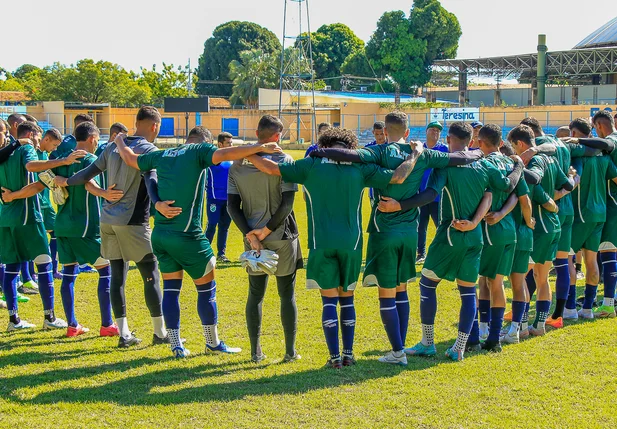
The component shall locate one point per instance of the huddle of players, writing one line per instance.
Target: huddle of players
(477, 188)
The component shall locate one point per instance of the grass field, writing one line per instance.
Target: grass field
(563, 380)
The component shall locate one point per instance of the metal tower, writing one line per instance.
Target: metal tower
(297, 76)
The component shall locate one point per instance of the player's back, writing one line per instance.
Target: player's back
(551, 173)
(590, 196)
(14, 176)
(505, 230)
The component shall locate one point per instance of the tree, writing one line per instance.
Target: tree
(357, 64)
(255, 69)
(438, 27)
(227, 42)
(25, 69)
(170, 82)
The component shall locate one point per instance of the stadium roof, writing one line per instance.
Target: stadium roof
(602, 37)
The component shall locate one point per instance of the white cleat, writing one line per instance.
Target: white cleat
(56, 324)
(570, 314)
(585, 313)
(22, 325)
(510, 338)
(392, 358)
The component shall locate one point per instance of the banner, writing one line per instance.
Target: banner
(465, 114)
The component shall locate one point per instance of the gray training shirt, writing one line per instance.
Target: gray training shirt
(134, 206)
(260, 193)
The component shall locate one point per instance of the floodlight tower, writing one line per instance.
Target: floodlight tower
(297, 76)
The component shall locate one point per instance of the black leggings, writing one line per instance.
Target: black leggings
(289, 312)
(148, 268)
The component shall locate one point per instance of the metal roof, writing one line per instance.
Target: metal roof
(603, 36)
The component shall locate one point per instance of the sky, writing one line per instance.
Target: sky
(132, 35)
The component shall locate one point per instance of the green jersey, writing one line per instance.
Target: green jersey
(44, 197)
(590, 196)
(553, 178)
(80, 215)
(462, 189)
(181, 178)
(611, 204)
(334, 198)
(390, 156)
(14, 176)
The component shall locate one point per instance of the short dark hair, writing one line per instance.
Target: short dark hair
(15, 117)
(53, 133)
(491, 134)
(83, 117)
(30, 118)
(507, 149)
(118, 127)
(223, 136)
(334, 136)
(582, 125)
(27, 127)
(84, 130)
(522, 133)
(323, 125)
(534, 124)
(200, 134)
(603, 115)
(461, 130)
(396, 121)
(379, 125)
(268, 126)
(150, 113)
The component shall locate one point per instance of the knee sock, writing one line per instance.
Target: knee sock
(496, 324)
(148, 268)
(466, 316)
(590, 296)
(171, 310)
(329, 320)
(119, 268)
(289, 311)
(25, 272)
(474, 335)
(518, 310)
(9, 286)
(2, 267)
(531, 283)
(600, 264)
(609, 262)
(484, 308)
(103, 296)
(53, 249)
(562, 285)
(403, 309)
(571, 302)
(46, 289)
(257, 290)
(67, 291)
(389, 318)
(208, 312)
(348, 323)
(542, 309)
(428, 309)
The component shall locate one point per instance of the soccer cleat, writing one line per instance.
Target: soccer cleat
(129, 341)
(455, 355)
(28, 288)
(19, 326)
(349, 360)
(473, 348)
(74, 331)
(507, 317)
(570, 314)
(334, 363)
(604, 311)
(20, 298)
(293, 358)
(222, 259)
(421, 350)
(109, 331)
(523, 334)
(156, 340)
(490, 346)
(258, 358)
(510, 338)
(420, 259)
(222, 348)
(2, 303)
(57, 323)
(86, 269)
(180, 352)
(554, 323)
(392, 359)
(536, 332)
(585, 313)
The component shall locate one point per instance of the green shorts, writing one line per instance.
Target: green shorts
(497, 260)
(452, 262)
(587, 236)
(520, 264)
(545, 247)
(83, 250)
(188, 251)
(49, 219)
(390, 259)
(331, 268)
(565, 240)
(23, 243)
(609, 235)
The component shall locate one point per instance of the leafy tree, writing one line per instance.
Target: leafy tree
(255, 69)
(25, 69)
(227, 42)
(357, 64)
(438, 27)
(169, 82)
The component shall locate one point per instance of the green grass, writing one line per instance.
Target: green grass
(46, 380)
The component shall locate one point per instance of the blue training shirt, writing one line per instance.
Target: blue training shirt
(441, 147)
(309, 150)
(216, 181)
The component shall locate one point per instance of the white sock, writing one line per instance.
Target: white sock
(212, 335)
(483, 328)
(174, 338)
(524, 326)
(514, 327)
(428, 335)
(461, 342)
(609, 302)
(541, 325)
(123, 327)
(158, 323)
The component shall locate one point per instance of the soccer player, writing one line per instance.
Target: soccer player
(179, 242)
(320, 129)
(14, 120)
(334, 206)
(476, 126)
(380, 138)
(216, 200)
(125, 227)
(114, 130)
(261, 206)
(4, 138)
(69, 143)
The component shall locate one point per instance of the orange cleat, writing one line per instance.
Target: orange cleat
(508, 316)
(75, 331)
(109, 331)
(554, 323)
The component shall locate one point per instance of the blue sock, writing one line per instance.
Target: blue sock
(171, 303)
(474, 335)
(531, 283)
(329, 320)
(468, 308)
(348, 323)
(496, 324)
(403, 309)
(590, 296)
(1, 275)
(542, 309)
(206, 303)
(562, 284)
(46, 288)
(67, 291)
(518, 310)
(428, 301)
(571, 302)
(53, 249)
(32, 271)
(484, 308)
(390, 320)
(9, 286)
(103, 295)
(609, 262)
(25, 272)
